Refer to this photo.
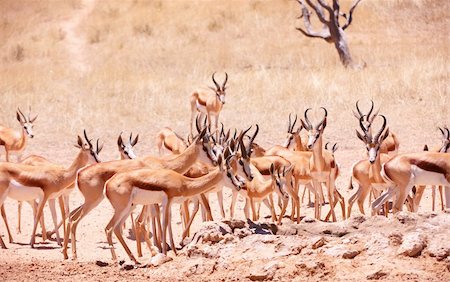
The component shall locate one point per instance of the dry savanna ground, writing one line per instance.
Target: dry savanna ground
(112, 66)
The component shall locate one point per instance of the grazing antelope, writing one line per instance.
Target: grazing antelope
(322, 165)
(208, 101)
(367, 173)
(91, 180)
(444, 148)
(170, 140)
(157, 186)
(15, 141)
(404, 171)
(45, 183)
(391, 144)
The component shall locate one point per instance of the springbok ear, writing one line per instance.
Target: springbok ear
(18, 117)
(360, 136)
(119, 140)
(80, 142)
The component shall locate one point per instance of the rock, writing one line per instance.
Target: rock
(159, 259)
(412, 245)
(286, 229)
(101, 263)
(128, 266)
(438, 251)
(356, 220)
(260, 275)
(406, 217)
(242, 233)
(377, 275)
(350, 254)
(274, 265)
(235, 224)
(205, 251)
(336, 251)
(308, 219)
(318, 242)
(211, 232)
(395, 239)
(199, 267)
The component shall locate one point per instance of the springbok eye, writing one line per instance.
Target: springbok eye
(241, 162)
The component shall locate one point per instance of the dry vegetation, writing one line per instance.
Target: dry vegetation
(130, 65)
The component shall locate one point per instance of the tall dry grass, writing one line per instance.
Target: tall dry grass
(143, 58)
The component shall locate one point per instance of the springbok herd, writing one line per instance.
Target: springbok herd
(206, 162)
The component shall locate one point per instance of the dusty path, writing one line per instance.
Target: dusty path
(75, 41)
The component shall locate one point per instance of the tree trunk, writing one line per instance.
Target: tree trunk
(340, 42)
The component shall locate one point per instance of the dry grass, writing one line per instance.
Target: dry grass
(144, 57)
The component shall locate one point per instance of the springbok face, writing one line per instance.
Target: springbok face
(232, 168)
(445, 148)
(88, 148)
(291, 132)
(314, 132)
(373, 143)
(126, 149)
(368, 118)
(26, 122)
(220, 89)
(244, 160)
(283, 182)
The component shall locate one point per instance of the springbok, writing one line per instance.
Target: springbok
(15, 141)
(391, 144)
(404, 171)
(322, 165)
(169, 139)
(157, 186)
(208, 101)
(443, 148)
(367, 172)
(91, 180)
(45, 183)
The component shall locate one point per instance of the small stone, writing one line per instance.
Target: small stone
(101, 263)
(350, 254)
(395, 239)
(159, 259)
(412, 245)
(317, 243)
(260, 275)
(406, 217)
(308, 219)
(128, 266)
(377, 275)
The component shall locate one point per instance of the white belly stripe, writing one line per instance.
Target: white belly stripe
(19, 192)
(145, 197)
(424, 177)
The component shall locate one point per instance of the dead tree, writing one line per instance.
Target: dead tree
(332, 30)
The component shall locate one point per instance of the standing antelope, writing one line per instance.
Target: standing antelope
(443, 148)
(91, 180)
(126, 149)
(45, 183)
(322, 165)
(15, 141)
(208, 101)
(391, 144)
(157, 186)
(367, 173)
(294, 135)
(404, 171)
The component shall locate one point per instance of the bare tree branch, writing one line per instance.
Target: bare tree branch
(350, 14)
(325, 6)
(317, 9)
(309, 32)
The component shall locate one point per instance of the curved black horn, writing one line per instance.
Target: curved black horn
(307, 119)
(382, 128)
(131, 137)
(225, 81)
(250, 144)
(358, 109)
(99, 148)
(324, 117)
(371, 109)
(215, 82)
(326, 145)
(448, 132)
(289, 123)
